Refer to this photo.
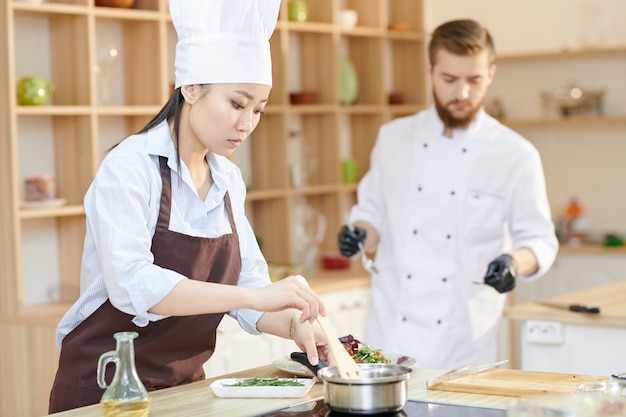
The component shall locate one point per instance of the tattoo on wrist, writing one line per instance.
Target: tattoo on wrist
(291, 325)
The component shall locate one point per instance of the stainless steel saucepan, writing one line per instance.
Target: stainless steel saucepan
(383, 388)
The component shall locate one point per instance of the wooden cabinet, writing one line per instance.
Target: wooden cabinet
(94, 106)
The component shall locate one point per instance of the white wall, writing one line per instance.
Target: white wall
(531, 25)
(585, 162)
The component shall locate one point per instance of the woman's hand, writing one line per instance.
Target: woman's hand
(311, 340)
(290, 292)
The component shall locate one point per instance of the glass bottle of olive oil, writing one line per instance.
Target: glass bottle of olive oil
(126, 396)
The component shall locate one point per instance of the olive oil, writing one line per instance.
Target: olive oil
(116, 408)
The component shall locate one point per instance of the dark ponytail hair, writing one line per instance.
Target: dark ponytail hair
(170, 111)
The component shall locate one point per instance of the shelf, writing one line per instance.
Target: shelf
(362, 31)
(539, 55)
(127, 14)
(41, 314)
(573, 121)
(405, 109)
(312, 109)
(47, 212)
(404, 36)
(51, 8)
(128, 110)
(309, 27)
(50, 110)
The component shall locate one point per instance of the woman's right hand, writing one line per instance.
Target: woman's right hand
(290, 292)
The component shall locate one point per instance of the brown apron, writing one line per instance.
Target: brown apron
(168, 352)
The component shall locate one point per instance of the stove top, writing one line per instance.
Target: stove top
(317, 408)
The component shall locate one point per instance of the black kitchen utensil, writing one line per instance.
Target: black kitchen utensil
(577, 308)
(301, 358)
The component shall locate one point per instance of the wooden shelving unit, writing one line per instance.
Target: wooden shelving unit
(77, 128)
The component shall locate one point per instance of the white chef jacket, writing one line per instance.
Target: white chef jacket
(122, 207)
(444, 209)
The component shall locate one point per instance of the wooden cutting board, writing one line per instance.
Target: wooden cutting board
(516, 383)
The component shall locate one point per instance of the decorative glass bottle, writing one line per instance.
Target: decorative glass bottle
(126, 395)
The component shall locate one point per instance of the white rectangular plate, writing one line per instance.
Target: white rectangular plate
(222, 390)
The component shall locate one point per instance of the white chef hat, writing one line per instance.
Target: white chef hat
(223, 41)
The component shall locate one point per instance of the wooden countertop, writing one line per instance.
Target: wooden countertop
(197, 399)
(591, 249)
(339, 279)
(611, 299)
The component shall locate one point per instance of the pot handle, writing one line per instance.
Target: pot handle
(301, 358)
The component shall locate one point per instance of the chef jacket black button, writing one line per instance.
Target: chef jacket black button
(426, 145)
(464, 150)
(419, 188)
(414, 231)
(404, 318)
(448, 236)
(452, 193)
(408, 276)
(439, 321)
(444, 279)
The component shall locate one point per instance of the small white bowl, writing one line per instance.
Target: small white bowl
(348, 18)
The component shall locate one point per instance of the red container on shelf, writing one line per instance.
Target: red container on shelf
(335, 261)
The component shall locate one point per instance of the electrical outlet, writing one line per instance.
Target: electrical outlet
(544, 332)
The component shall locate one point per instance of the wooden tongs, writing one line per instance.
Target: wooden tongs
(346, 366)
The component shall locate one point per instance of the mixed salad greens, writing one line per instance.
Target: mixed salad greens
(362, 353)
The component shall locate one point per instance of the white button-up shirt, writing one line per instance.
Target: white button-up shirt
(444, 209)
(122, 208)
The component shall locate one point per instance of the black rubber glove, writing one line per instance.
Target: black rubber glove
(349, 240)
(501, 273)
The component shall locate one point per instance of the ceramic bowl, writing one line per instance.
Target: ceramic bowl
(396, 97)
(125, 4)
(303, 97)
(348, 18)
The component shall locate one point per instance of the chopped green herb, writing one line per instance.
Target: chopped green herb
(267, 382)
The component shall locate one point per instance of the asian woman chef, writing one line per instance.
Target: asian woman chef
(168, 249)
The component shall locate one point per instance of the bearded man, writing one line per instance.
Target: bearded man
(454, 205)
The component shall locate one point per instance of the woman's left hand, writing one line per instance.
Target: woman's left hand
(311, 340)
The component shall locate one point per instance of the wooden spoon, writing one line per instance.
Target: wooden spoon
(346, 366)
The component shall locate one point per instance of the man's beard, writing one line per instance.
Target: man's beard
(450, 120)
